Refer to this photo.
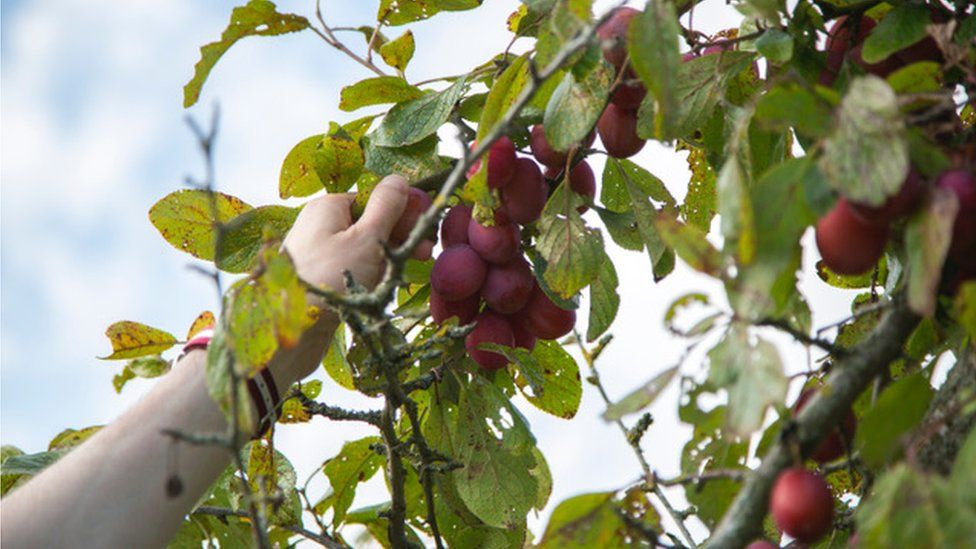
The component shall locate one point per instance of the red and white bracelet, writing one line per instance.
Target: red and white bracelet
(261, 387)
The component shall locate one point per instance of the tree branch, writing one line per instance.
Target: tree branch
(851, 375)
(946, 428)
(222, 512)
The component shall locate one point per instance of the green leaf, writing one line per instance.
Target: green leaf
(265, 312)
(899, 408)
(691, 245)
(298, 176)
(245, 235)
(767, 284)
(401, 12)
(503, 94)
(901, 27)
(575, 107)
(922, 77)
(753, 376)
(29, 464)
(269, 470)
(735, 207)
(852, 282)
(377, 91)
(356, 463)
(910, 509)
(964, 468)
(573, 252)
(584, 521)
(775, 45)
(622, 228)
(927, 240)
(398, 53)
(698, 208)
(409, 122)
(641, 397)
(338, 160)
(133, 339)
(604, 300)
(793, 106)
(220, 362)
(638, 182)
(964, 308)
(256, 18)
(701, 84)
(652, 41)
(496, 483)
(549, 377)
(146, 367)
(866, 156)
(413, 162)
(185, 218)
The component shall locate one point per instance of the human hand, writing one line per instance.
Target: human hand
(324, 242)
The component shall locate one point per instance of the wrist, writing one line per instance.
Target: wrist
(296, 363)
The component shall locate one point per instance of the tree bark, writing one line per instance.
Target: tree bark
(937, 452)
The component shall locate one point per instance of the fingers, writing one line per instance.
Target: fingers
(330, 212)
(385, 206)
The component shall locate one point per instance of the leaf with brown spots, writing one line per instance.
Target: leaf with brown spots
(204, 321)
(357, 462)
(185, 218)
(132, 339)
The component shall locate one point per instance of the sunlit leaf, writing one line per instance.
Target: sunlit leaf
(133, 339)
(186, 219)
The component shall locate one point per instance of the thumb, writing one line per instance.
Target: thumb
(385, 206)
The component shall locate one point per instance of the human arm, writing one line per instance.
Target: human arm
(109, 491)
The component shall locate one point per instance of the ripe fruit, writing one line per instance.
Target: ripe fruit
(496, 244)
(618, 132)
(465, 309)
(545, 319)
(961, 183)
(526, 194)
(897, 206)
(840, 45)
(848, 244)
(629, 93)
(831, 447)
(523, 337)
(507, 287)
(581, 180)
(501, 163)
(613, 35)
(454, 228)
(542, 151)
(417, 203)
(801, 504)
(489, 328)
(762, 544)
(458, 273)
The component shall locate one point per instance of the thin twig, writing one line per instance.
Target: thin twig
(223, 512)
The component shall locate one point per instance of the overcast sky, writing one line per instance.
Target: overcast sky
(93, 134)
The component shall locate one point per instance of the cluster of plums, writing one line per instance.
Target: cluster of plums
(481, 276)
(852, 237)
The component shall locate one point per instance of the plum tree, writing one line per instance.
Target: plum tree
(464, 309)
(848, 244)
(617, 128)
(454, 228)
(629, 94)
(545, 319)
(801, 504)
(543, 151)
(489, 328)
(495, 244)
(508, 286)
(525, 195)
(458, 273)
(582, 181)
(833, 445)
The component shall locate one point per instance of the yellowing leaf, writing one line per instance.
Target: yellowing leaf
(185, 218)
(397, 53)
(204, 321)
(132, 339)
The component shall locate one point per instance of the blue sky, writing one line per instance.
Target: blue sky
(93, 134)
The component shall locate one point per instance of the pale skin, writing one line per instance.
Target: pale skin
(110, 490)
